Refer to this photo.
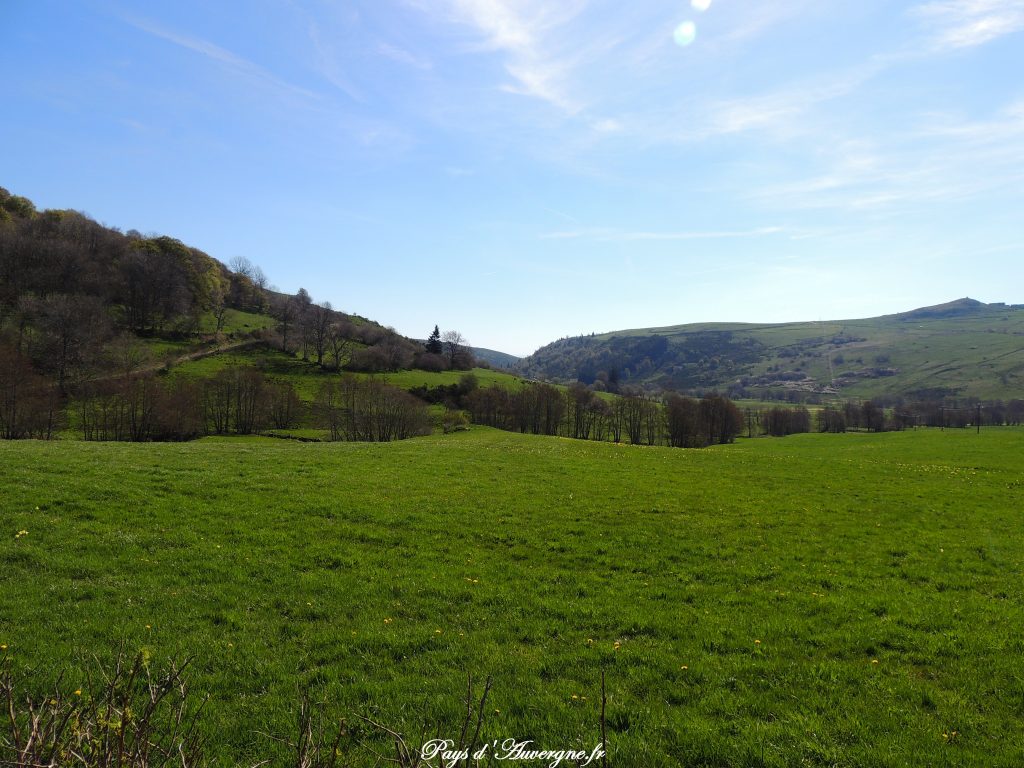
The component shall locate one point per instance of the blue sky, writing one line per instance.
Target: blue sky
(523, 170)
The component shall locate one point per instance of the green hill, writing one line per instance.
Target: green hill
(495, 358)
(964, 348)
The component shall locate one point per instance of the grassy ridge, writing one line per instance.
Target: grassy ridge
(738, 597)
(961, 349)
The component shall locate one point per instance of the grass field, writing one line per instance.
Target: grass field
(816, 600)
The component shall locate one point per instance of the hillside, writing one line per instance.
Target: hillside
(73, 292)
(964, 348)
(112, 335)
(495, 358)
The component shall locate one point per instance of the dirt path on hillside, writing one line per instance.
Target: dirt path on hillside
(198, 354)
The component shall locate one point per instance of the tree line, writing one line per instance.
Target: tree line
(240, 400)
(872, 416)
(581, 413)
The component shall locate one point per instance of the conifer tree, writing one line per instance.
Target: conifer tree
(433, 344)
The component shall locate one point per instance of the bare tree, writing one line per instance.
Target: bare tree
(219, 307)
(286, 313)
(242, 266)
(303, 319)
(71, 331)
(339, 342)
(319, 326)
(456, 349)
(259, 288)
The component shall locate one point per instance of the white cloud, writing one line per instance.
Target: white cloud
(968, 23)
(525, 32)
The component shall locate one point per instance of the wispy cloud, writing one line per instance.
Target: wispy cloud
(525, 33)
(327, 64)
(968, 23)
(223, 57)
(403, 56)
(944, 158)
(603, 234)
(751, 21)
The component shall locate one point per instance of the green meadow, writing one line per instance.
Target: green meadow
(849, 600)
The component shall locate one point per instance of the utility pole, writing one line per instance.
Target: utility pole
(978, 419)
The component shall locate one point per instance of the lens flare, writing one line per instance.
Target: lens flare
(700, 5)
(685, 34)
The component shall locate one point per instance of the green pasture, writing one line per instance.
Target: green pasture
(850, 600)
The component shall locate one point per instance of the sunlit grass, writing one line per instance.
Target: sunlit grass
(820, 599)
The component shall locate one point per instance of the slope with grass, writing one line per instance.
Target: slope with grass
(960, 349)
(819, 600)
(306, 376)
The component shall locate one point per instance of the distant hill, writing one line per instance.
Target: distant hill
(964, 348)
(496, 359)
